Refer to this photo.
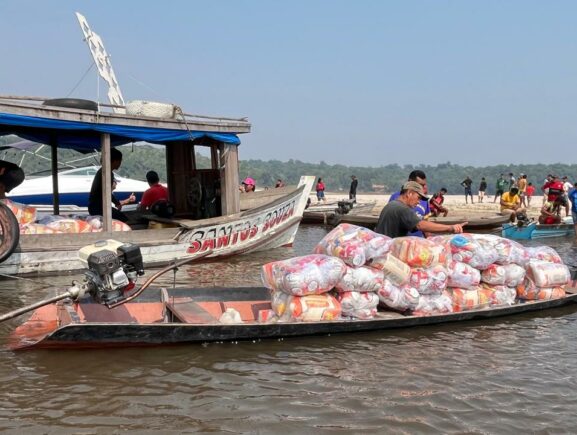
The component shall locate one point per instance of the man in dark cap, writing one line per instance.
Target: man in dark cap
(398, 219)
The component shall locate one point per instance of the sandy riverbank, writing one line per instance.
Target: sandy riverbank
(455, 203)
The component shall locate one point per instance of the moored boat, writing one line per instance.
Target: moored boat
(534, 230)
(162, 317)
(209, 210)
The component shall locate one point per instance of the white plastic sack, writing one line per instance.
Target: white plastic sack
(360, 279)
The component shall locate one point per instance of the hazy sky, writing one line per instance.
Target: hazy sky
(363, 83)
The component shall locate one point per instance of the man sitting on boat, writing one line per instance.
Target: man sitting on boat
(551, 212)
(95, 198)
(398, 218)
(436, 203)
(511, 203)
(156, 192)
(11, 175)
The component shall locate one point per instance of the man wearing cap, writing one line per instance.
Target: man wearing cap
(422, 209)
(398, 218)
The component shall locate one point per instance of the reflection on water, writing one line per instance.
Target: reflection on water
(504, 376)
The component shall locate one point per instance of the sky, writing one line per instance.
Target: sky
(366, 83)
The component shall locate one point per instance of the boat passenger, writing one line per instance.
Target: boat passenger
(573, 199)
(248, 185)
(398, 219)
(95, 197)
(11, 176)
(555, 190)
(436, 203)
(551, 212)
(511, 203)
(156, 193)
(422, 209)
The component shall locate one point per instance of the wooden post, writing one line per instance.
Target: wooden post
(106, 182)
(230, 195)
(54, 167)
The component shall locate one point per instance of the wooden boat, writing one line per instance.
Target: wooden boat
(331, 213)
(210, 213)
(161, 317)
(534, 230)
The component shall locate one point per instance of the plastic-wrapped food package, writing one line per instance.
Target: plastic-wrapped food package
(527, 290)
(470, 299)
(430, 305)
(358, 305)
(393, 268)
(353, 244)
(398, 298)
(267, 316)
(360, 279)
(509, 275)
(25, 214)
(500, 295)
(311, 308)
(443, 241)
(430, 281)
(70, 226)
(48, 219)
(544, 253)
(508, 251)
(307, 275)
(33, 228)
(467, 250)
(418, 252)
(545, 274)
(462, 275)
(96, 223)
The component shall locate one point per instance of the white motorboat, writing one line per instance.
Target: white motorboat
(73, 188)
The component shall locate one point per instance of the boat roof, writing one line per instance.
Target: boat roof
(29, 118)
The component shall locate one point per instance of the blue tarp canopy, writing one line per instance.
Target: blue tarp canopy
(86, 136)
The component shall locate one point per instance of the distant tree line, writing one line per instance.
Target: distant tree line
(382, 179)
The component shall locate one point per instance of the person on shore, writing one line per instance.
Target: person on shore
(522, 186)
(529, 192)
(511, 204)
(279, 183)
(320, 188)
(95, 196)
(573, 200)
(11, 176)
(499, 187)
(551, 212)
(156, 192)
(482, 189)
(466, 183)
(512, 181)
(248, 185)
(398, 218)
(353, 189)
(422, 209)
(436, 203)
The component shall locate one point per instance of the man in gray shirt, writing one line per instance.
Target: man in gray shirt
(398, 218)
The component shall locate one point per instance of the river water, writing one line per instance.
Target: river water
(503, 376)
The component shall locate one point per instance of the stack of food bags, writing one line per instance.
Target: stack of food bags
(417, 276)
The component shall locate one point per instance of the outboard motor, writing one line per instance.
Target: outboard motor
(113, 268)
(344, 207)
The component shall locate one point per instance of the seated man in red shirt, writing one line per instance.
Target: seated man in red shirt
(436, 203)
(157, 192)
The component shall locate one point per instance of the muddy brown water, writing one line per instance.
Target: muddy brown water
(515, 375)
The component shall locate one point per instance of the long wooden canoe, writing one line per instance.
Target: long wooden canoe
(161, 317)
